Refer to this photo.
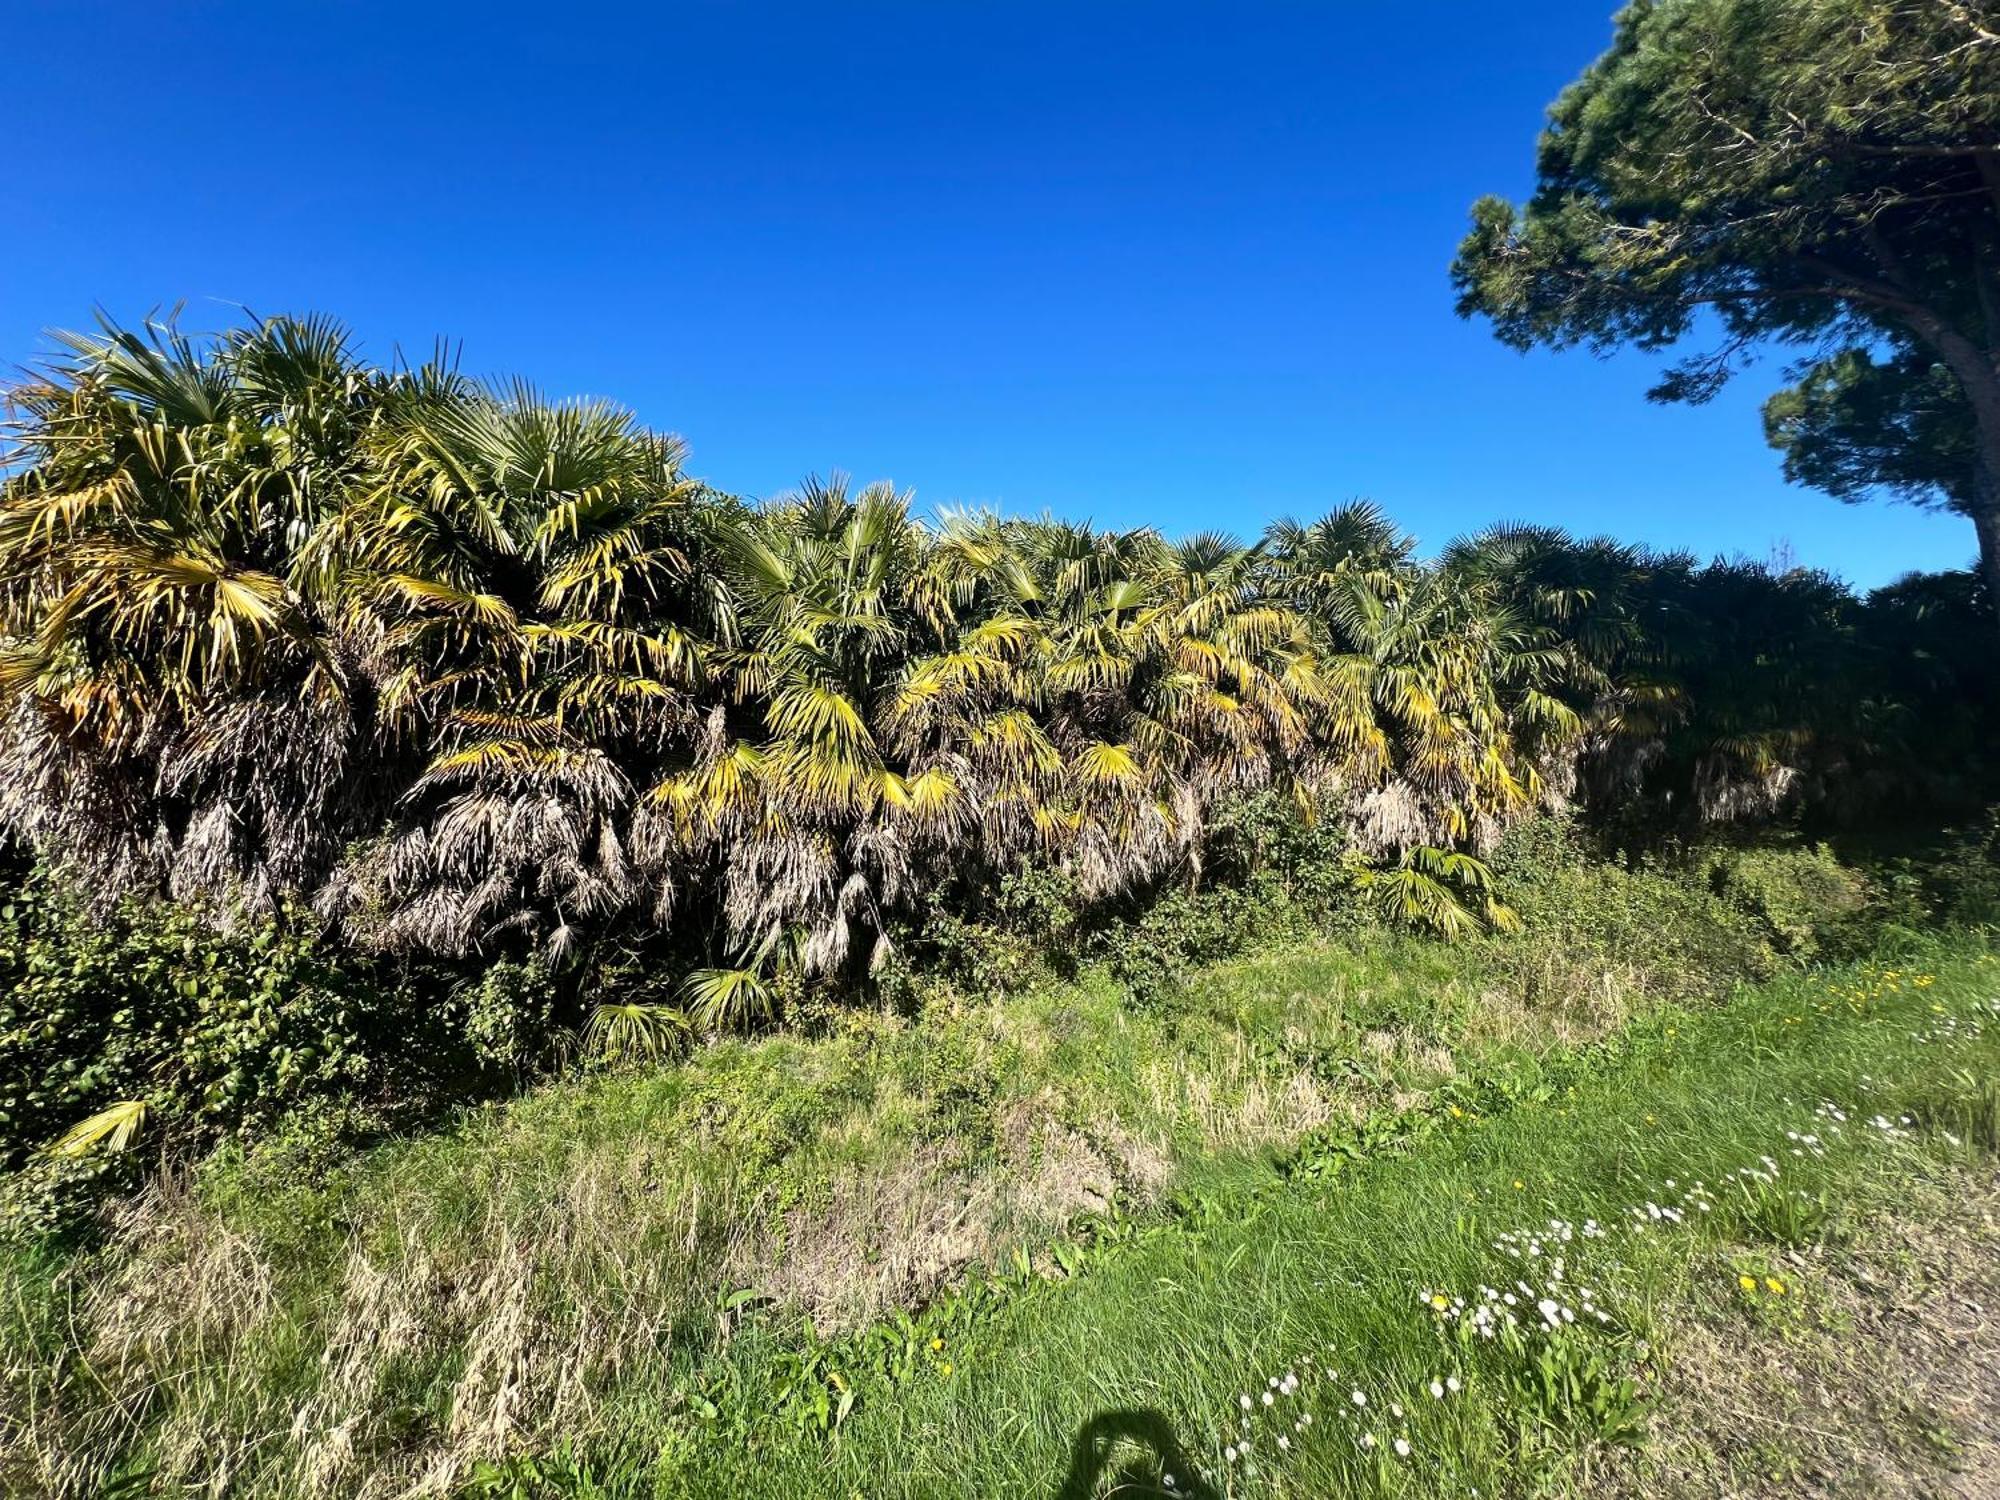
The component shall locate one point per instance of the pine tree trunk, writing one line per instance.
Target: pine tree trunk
(1978, 372)
(1985, 510)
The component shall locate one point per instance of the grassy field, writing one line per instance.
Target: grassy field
(1050, 1246)
(1688, 1178)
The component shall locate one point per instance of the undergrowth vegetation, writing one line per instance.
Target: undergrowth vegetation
(523, 974)
(774, 1243)
(1482, 1295)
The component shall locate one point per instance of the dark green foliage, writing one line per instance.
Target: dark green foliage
(1818, 173)
(1266, 872)
(1736, 692)
(1856, 426)
(1184, 930)
(1026, 931)
(508, 1011)
(221, 1032)
(1959, 882)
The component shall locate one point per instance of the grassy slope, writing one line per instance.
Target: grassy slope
(565, 1268)
(523, 1269)
(1156, 1346)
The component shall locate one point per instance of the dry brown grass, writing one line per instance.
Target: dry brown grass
(526, 1316)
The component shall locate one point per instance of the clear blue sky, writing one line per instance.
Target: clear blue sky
(1142, 263)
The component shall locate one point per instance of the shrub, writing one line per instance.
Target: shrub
(211, 1033)
(215, 1030)
(1265, 843)
(1963, 878)
(1156, 953)
(1265, 872)
(1655, 922)
(507, 1011)
(1808, 904)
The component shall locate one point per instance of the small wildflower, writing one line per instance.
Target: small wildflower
(1748, 1283)
(1777, 1287)
(1359, 1399)
(1437, 1390)
(1402, 1447)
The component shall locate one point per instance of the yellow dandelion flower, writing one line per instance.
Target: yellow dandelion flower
(945, 1368)
(1776, 1286)
(1439, 1301)
(936, 1344)
(1748, 1283)
(1519, 1185)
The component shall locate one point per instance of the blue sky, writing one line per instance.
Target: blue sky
(1181, 265)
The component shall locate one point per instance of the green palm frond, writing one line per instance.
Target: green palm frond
(634, 1031)
(724, 998)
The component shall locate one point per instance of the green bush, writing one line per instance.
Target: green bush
(1656, 922)
(1963, 877)
(1809, 905)
(1265, 872)
(506, 1012)
(1266, 843)
(1156, 954)
(217, 1033)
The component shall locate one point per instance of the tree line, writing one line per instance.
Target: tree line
(474, 672)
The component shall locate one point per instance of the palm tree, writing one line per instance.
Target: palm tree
(1448, 689)
(184, 702)
(543, 632)
(473, 668)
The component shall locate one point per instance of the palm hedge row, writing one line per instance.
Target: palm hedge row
(473, 671)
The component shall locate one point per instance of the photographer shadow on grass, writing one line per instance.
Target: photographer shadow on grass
(1130, 1453)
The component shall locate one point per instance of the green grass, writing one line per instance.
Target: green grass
(606, 1274)
(1135, 1368)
